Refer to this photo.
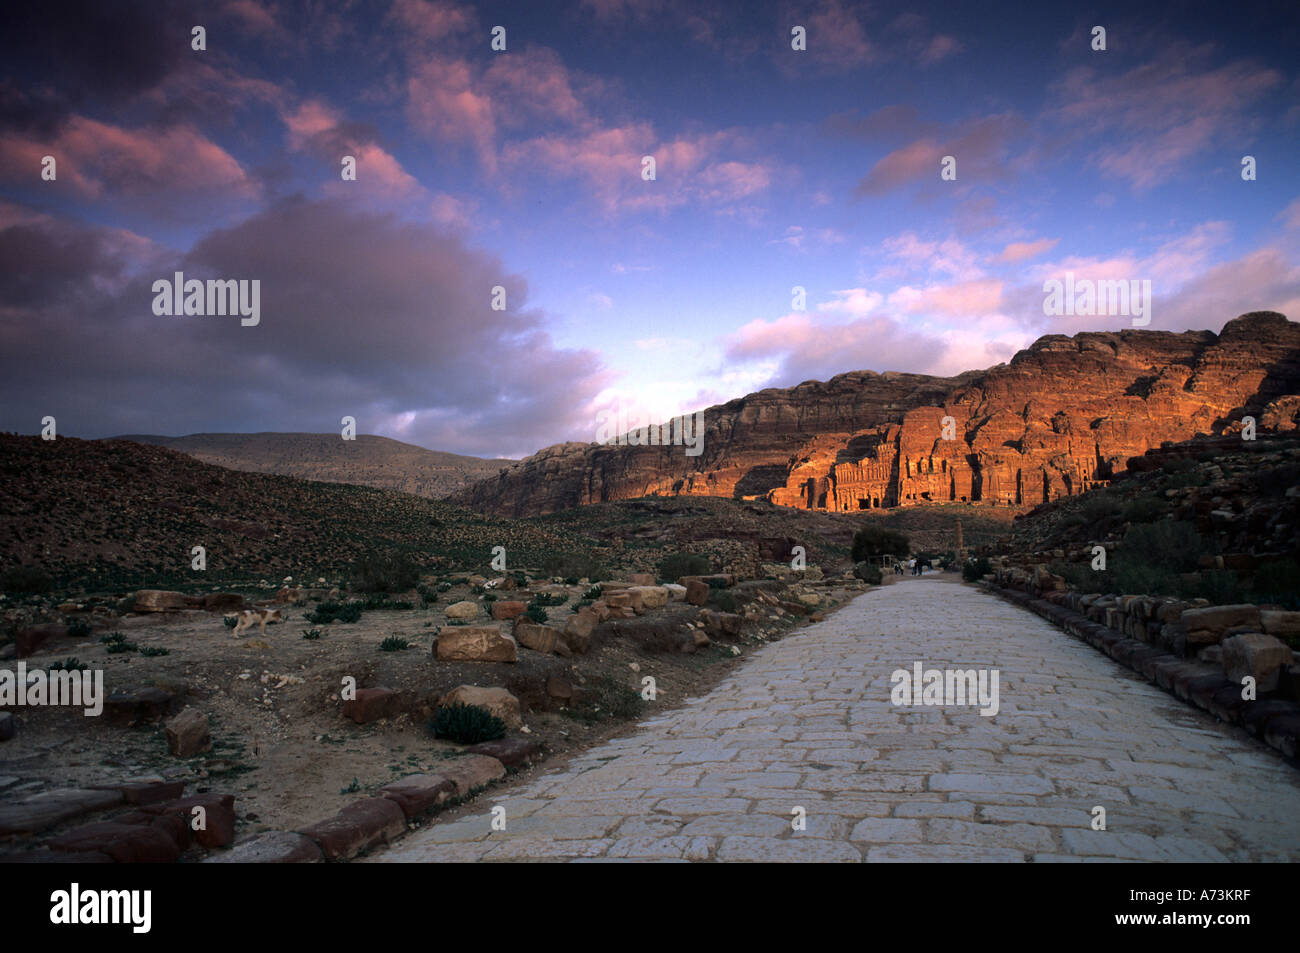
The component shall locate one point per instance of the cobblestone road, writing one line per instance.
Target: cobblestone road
(808, 722)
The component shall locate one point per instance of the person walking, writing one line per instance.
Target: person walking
(911, 566)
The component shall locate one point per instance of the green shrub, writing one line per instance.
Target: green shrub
(606, 697)
(379, 600)
(976, 569)
(79, 628)
(546, 599)
(723, 599)
(868, 573)
(328, 612)
(575, 565)
(69, 664)
(466, 724)
(676, 565)
(537, 614)
(153, 651)
(592, 594)
(1144, 509)
(381, 572)
(394, 644)
(311, 634)
(871, 541)
(1278, 581)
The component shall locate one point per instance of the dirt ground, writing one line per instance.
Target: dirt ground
(280, 742)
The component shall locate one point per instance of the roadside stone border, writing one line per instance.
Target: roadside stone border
(1275, 721)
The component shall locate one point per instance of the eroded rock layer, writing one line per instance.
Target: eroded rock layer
(1063, 415)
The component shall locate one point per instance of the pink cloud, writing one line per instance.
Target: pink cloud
(443, 101)
(1021, 251)
(1175, 106)
(980, 148)
(101, 159)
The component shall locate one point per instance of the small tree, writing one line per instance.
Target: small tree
(871, 542)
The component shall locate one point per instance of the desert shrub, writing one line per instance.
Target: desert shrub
(311, 634)
(724, 599)
(69, 664)
(466, 724)
(328, 612)
(380, 600)
(550, 599)
(868, 573)
(383, 572)
(1144, 509)
(1170, 545)
(428, 595)
(872, 541)
(27, 579)
(79, 628)
(230, 621)
(537, 614)
(115, 643)
(674, 566)
(1097, 507)
(444, 587)
(575, 565)
(592, 594)
(606, 697)
(716, 583)
(394, 644)
(976, 569)
(153, 651)
(1278, 581)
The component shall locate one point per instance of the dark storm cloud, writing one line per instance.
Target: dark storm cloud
(361, 314)
(61, 55)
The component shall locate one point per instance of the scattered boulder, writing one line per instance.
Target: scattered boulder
(697, 592)
(1207, 626)
(145, 790)
(560, 688)
(417, 793)
(508, 609)
(187, 733)
(472, 771)
(675, 592)
(509, 751)
(578, 629)
(541, 638)
(358, 827)
(48, 808)
(641, 579)
(371, 704)
(1258, 655)
(462, 610)
(1281, 624)
(125, 843)
(652, 597)
(496, 700)
(475, 643)
(217, 815)
(159, 600)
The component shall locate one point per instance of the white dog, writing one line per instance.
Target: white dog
(260, 616)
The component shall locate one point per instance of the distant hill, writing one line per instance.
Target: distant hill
(367, 461)
(114, 514)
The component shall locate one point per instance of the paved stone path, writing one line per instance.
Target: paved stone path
(808, 722)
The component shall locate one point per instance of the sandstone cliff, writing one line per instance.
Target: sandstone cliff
(1063, 415)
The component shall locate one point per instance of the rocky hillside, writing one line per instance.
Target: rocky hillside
(367, 461)
(1063, 416)
(112, 513)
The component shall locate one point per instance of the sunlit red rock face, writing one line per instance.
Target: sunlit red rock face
(1065, 413)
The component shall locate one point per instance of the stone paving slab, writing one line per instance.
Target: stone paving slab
(808, 723)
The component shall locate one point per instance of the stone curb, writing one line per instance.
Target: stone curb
(1275, 722)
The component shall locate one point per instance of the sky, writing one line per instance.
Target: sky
(523, 168)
